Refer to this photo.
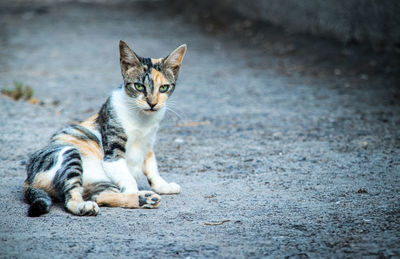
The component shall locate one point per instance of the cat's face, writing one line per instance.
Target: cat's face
(149, 82)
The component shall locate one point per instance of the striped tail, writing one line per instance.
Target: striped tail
(39, 200)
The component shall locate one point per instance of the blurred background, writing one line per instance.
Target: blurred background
(355, 38)
(371, 22)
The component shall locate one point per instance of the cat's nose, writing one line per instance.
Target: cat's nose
(151, 105)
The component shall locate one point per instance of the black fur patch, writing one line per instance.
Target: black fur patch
(93, 190)
(113, 135)
(42, 160)
(40, 201)
(69, 176)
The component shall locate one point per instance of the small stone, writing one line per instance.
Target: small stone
(362, 190)
(212, 195)
(179, 140)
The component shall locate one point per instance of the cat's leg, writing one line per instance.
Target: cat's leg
(118, 172)
(157, 183)
(130, 197)
(68, 182)
(141, 199)
(108, 194)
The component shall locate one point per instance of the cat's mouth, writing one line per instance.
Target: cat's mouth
(150, 111)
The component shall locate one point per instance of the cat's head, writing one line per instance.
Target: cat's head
(149, 82)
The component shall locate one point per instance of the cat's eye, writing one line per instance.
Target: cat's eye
(164, 88)
(139, 87)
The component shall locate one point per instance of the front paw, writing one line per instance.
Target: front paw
(149, 199)
(167, 188)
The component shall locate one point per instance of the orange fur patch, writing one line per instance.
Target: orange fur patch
(146, 162)
(75, 200)
(156, 60)
(89, 122)
(75, 195)
(150, 155)
(161, 99)
(158, 78)
(42, 181)
(87, 148)
(124, 200)
(142, 102)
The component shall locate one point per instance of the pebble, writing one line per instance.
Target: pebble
(179, 140)
(362, 190)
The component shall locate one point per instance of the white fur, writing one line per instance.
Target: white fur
(134, 120)
(141, 129)
(97, 134)
(93, 171)
(119, 174)
(159, 185)
(52, 172)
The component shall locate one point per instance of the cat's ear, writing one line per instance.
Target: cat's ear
(174, 60)
(127, 57)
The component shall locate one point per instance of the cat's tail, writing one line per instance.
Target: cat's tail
(39, 200)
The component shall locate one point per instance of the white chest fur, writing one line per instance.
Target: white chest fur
(139, 127)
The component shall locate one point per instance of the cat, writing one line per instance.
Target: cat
(97, 162)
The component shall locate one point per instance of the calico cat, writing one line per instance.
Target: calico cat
(96, 163)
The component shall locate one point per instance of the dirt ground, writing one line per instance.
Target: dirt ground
(290, 145)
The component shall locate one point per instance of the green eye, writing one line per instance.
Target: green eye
(164, 88)
(139, 87)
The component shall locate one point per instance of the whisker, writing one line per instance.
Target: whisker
(179, 116)
(171, 103)
(133, 107)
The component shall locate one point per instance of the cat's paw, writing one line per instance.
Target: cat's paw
(87, 208)
(167, 188)
(149, 199)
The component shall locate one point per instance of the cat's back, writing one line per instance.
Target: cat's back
(84, 136)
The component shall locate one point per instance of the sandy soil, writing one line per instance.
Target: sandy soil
(291, 160)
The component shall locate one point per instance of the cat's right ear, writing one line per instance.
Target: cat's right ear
(127, 57)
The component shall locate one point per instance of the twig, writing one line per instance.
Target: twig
(193, 124)
(216, 223)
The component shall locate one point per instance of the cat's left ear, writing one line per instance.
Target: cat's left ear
(174, 60)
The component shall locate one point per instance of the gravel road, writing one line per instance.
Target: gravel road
(273, 160)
